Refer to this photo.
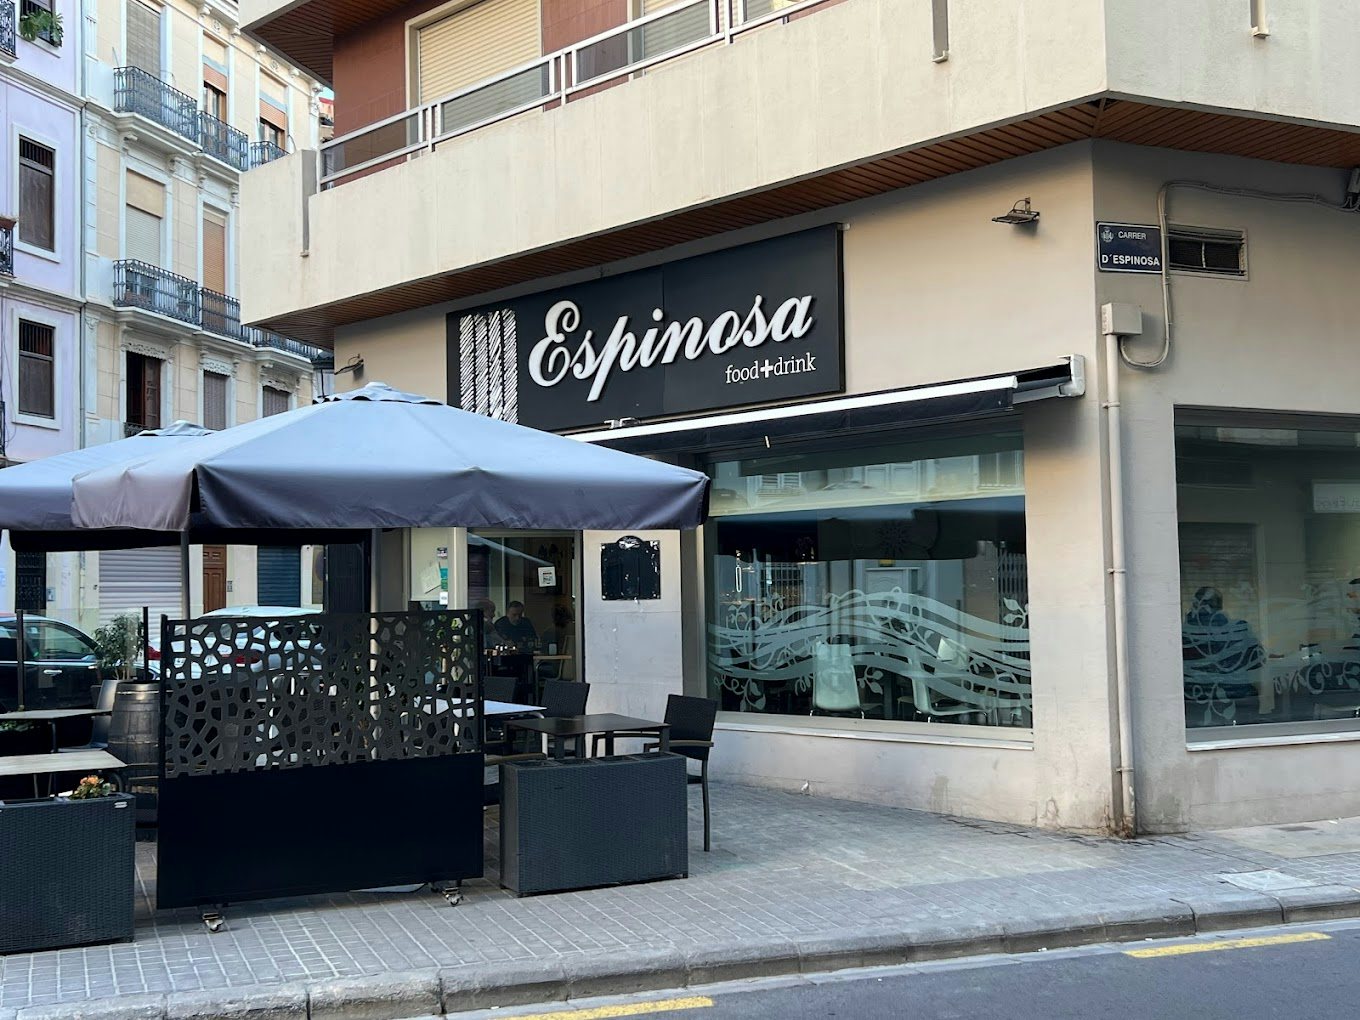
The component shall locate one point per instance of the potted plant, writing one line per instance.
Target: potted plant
(38, 23)
(67, 872)
(117, 645)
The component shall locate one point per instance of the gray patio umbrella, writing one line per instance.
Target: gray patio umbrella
(380, 458)
(35, 498)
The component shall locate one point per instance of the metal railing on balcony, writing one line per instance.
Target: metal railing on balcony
(6, 251)
(153, 289)
(265, 338)
(141, 92)
(264, 152)
(221, 314)
(627, 49)
(222, 141)
(7, 26)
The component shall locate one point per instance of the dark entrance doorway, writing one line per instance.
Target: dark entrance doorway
(30, 582)
(214, 577)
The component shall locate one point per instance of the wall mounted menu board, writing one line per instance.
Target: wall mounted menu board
(630, 569)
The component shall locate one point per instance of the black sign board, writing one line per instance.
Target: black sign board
(1128, 248)
(753, 324)
(630, 569)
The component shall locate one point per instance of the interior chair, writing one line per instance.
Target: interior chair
(835, 688)
(690, 721)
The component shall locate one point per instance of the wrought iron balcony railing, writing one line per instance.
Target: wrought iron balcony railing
(264, 338)
(264, 152)
(221, 314)
(153, 289)
(6, 251)
(222, 141)
(141, 92)
(7, 24)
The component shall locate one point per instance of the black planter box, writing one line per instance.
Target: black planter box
(587, 822)
(66, 872)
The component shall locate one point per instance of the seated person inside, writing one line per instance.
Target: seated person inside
(515, 629)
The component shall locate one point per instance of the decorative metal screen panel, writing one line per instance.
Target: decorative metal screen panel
(246, 694)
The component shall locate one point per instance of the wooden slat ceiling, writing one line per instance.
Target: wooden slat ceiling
(1113, 119)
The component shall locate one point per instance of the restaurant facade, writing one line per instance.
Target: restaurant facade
(1035, 484)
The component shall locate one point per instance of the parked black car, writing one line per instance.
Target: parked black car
(60, 665)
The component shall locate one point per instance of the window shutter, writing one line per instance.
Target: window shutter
(275, 401)
(146, 194)
(144, 36)
(214, 251)
(36, 384)
(36, 201)
(465, 48)
(214, 400)
(143, 236)
(274, 102)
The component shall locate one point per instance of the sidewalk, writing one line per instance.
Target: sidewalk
(793, 883)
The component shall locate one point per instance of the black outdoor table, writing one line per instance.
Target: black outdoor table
(52, 716)
(578, 727)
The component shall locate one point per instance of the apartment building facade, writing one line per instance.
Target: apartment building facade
(1014, 337)
(129, 126)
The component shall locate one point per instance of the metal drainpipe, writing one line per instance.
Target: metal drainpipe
(1128, 820)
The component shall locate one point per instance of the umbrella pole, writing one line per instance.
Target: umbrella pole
(374, 570)
(185, 605)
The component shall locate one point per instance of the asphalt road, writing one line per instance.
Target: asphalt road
(1311, 973)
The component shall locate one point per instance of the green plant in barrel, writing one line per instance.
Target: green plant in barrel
(118, 644)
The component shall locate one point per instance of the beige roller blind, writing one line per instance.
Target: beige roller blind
(669, 33)
(143, 236)
(214, 251)
(145, 194)
(476, 43)
(144, 36)
(214, 49)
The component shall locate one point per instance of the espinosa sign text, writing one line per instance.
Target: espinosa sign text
(753, 324)
(553, 357)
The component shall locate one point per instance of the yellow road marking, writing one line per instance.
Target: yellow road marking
(1212, 947)
(629, 1009)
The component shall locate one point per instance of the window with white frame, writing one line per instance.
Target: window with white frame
(37, 195)
(37, 381)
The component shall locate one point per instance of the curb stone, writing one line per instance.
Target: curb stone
(944, 942)
(647, 969)
(124, 1007)
(270, 1002)
(737, 961)
(882, 948)
(1318, 903)
(1225, 911)
(1159, 919)
(375, 996)
(515, 983)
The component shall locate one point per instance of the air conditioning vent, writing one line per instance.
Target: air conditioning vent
(1198, 250)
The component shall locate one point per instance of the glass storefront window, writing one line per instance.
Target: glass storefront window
(1270, 573)
(885, 582)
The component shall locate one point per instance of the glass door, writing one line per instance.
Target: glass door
(527, 583)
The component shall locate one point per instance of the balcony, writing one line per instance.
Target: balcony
(608, 58)
(7, 248)
(152, 289)
(223, 142)
(264, 152)
(7, 43)
(141, 92)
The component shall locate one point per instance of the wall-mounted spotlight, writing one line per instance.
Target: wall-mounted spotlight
(1020, 215)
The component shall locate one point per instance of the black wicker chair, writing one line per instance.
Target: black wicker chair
(564, 698)
(691, 735)
(498, 688)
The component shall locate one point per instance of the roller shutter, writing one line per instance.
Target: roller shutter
(668, 33)
(279, 575)
(475, 44)
(132, 578)
(144, 36)
(214, 251)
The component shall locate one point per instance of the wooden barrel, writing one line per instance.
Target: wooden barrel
(134, 738)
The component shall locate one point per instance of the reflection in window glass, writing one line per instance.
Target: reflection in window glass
(883, 582)
(1270, 574)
